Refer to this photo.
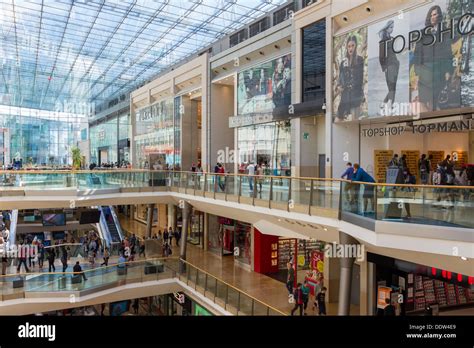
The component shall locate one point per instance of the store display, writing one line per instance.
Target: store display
(451, 294)
(440, 293)
(429, 290)
(461, 295)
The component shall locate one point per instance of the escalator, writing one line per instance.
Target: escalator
(110, 226)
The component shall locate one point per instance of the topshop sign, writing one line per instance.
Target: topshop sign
(453, 126)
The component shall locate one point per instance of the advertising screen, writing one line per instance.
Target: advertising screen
(54, 219)
(264, 87)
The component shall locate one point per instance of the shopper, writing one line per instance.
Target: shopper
(51, 258)
(389, 310)
(298, 296)
(106, 257)
(165, 236)
(170, 235)
(142, 249)
(135, 305)
(78, 270)
(305, 293)
(348, 187)
(177, 236)
(362, 176)
(251, 173)
(321, 301)
(40, 255)
(4, 264)
(394, 161)
(424, 169)
(23, 254)
(290, 280)
(260, 176)
(64, 258)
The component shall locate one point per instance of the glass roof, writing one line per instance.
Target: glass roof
(59, 54)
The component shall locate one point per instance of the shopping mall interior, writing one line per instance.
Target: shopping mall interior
(237, 158)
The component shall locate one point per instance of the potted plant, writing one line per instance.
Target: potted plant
(76, 158)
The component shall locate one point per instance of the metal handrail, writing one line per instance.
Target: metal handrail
(119, 170)
(88, 270)
(233, 287)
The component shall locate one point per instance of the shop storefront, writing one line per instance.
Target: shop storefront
(141, 213)
(178, 304)
(420, 290)
(196, 228)
(263, 135)
(229, 237)
(272, 254)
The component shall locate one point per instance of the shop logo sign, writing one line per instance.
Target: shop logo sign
(356, 251)
(462, 26)
(453, 126)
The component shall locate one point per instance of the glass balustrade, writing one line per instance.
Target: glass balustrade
(435, 205)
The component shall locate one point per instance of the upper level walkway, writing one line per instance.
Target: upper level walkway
(436, 220)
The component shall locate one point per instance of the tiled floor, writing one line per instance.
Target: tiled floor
(262, 287)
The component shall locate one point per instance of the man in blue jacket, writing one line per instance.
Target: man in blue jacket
(348, 187)
(362, 176)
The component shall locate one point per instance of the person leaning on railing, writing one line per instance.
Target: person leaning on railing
(362, 176)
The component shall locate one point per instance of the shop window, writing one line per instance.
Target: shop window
(283, 14)
(314, 62)
(258, 27)
(237, 38)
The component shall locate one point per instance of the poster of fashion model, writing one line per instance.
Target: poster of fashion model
(388, 71)
(467, 62)
(350, 76)
(435, 69)
(264, 87)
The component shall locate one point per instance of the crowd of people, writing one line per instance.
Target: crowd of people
(444, 174)
(110, 165)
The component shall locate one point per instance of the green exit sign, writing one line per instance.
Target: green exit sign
(305, 136)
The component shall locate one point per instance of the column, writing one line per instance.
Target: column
(206, 231)
(149, 219)
(371, 289)
(347, 264)
(184, 235)
(171, 216)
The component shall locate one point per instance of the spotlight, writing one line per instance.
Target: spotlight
(261, 53)
(345, 19)
(277, 47)
(247, 58)
(368, 9)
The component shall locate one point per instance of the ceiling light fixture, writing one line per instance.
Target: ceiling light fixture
(463, 258)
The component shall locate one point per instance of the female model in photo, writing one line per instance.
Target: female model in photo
(389, 63)
(434, 66)
(350, 83)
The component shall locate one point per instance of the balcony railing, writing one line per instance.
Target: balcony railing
(424, 204)
(232, 299)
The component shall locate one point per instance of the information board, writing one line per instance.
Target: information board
(381, 161)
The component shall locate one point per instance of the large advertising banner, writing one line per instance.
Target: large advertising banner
(350, 75)
(417, 61)
(388, 74)
(264, 87)
(435, 74)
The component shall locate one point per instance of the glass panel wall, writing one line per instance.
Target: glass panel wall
(42, 140)
(314, 61)
(268, 144)
(154, 133)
